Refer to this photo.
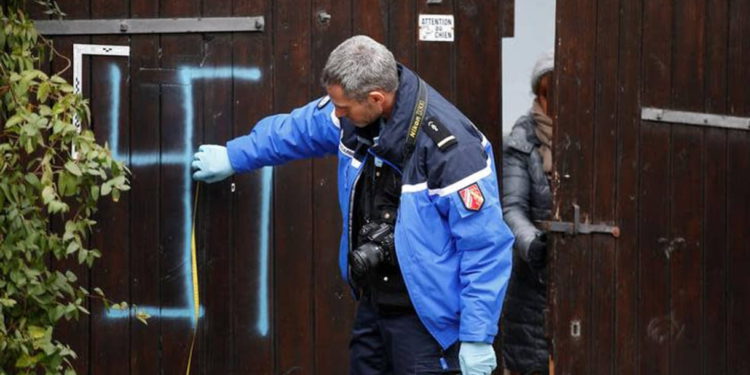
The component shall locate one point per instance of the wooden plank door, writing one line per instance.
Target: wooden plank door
(272, 300)
(668, 295)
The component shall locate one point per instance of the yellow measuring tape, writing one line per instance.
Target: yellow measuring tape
(194, 269)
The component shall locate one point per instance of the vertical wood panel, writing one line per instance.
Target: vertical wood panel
(111, 234)
(436, 60)
(738, 285)
(176, 332)
(253, 302)
(478, 49)
(145, 138)
(687, 193)
(738, 204)
(627, 330)
(655, 323)
(215, 212)
(603, 341)
(574, 125)
(293, 203)
(508, 14)
(402, 32)
(715, 197)
(370, 17)
(181, 107)
(334, 305)
(74, 333)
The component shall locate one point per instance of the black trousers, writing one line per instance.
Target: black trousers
(386, 343)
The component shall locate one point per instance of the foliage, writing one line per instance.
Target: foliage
(51, 177)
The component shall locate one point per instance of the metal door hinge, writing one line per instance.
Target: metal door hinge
(577, 227)
(150, 25)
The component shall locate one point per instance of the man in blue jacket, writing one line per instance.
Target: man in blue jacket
(423, 246)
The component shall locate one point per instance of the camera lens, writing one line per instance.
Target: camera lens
(365, 258)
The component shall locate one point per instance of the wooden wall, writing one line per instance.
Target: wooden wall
(155, 107)
(671, 295)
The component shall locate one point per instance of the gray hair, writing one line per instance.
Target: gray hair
(360, 65)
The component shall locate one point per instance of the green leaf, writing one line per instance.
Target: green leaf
(66, 88)
(43, 91)
(33, 179)
(106, 188)
(142, 317)
(71, 276)
(72, 247)
(14, 120)
(73, 168)
(29, 146)
(36, 332)
(95, 192)
(55, 207)
(69, 234)
(45, 110)
(26, 360)
(48, 194)
(118, 181)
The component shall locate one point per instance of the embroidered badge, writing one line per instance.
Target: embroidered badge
(472, 197)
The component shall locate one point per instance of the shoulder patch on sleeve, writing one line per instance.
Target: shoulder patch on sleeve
(323, 101)
(472, 197)
(439, 134)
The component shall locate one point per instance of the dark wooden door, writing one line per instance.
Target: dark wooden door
(272, 301)
(672, 294)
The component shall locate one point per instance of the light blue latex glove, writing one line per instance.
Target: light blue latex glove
(211, 163)
(476, 358)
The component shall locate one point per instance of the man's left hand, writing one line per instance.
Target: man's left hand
(476, 358)
(211, 163)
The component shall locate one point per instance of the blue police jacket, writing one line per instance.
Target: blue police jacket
(453, 247)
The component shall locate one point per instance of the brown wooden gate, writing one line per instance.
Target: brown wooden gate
(286, 311)
(672, 294)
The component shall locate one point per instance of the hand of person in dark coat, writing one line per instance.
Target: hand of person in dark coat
(538, 251)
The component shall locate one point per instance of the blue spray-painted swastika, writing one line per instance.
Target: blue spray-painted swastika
(183, 159)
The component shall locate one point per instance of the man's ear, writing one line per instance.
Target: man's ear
(377, 97)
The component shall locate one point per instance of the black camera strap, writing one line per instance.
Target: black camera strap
(417, 117)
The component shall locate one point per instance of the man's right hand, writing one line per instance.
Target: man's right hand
(211, 163)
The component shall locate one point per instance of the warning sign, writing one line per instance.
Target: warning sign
(436, 27)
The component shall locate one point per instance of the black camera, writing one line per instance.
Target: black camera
(377, 247)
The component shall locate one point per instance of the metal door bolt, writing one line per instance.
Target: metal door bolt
(232, 187)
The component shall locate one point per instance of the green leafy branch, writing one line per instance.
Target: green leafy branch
(52, 176)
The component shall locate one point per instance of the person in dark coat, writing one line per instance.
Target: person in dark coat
(527, 168)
